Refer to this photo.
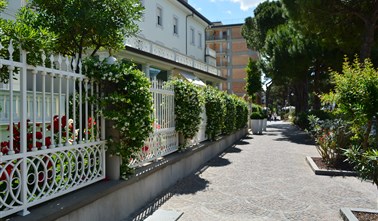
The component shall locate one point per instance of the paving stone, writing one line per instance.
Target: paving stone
(266, 177)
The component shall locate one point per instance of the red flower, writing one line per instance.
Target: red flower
(5, 150)
(48, 141)
(90, 122)
(38, 144)
(29, 136)
(8, 170)
(39, 135)
(4, 144)
(64, 121)
(145, 148)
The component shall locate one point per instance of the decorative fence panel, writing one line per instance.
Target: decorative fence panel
(55, 136)
(164, 139)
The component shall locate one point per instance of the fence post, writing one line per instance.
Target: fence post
(23, 131)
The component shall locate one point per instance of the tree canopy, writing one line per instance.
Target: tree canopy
(82, 25)
(253, 78)
(349, 25)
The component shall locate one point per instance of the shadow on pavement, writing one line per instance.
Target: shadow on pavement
(292, 134)
(248, 137)
(218, 162)
(151, 208)
(242, 142)
(233, 149)
(188, 185)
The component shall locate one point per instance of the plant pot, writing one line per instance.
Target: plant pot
(113, 166)
(256, 126)
(264, 124)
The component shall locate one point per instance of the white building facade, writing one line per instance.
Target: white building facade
(171, 41)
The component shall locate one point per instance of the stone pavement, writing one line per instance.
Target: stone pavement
(265, 177)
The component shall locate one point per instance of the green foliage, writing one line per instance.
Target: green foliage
(3, 4)
(230, 119)
(366, 163)
(241, 109)
(257, 112)
(253, 79)
(188, 108)
(357, 97)
(347, 17)
(256, 116)
(332, 138)
(26, 32)
(90, 24)
(215, 112)
(127, 102)
(268, 16)
(301, 120)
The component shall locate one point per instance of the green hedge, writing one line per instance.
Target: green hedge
(215, 112)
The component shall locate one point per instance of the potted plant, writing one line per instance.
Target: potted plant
(257, 122)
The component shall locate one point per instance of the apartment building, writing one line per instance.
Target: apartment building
(232, 55)
(171, 42)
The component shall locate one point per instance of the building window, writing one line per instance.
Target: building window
(159, 16)
(199, 40)
(175, 26)
(192, 37)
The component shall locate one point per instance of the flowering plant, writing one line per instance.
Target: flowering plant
(51, 134)
(127, 102)
(188, 108)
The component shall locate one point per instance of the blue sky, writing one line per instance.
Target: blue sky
(227, 11)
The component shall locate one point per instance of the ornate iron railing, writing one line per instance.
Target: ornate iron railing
(53, 146)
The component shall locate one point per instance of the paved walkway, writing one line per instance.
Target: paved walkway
(266, 177)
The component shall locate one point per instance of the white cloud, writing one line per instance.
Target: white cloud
(247, 4)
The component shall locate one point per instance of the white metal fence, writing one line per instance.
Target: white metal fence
(164, 139)
(54, 136)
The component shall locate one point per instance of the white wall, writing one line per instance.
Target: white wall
(164, 35)
(10, 11)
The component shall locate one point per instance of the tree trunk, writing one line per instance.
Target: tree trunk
(368, 38)
(316, 105)
(301, 92)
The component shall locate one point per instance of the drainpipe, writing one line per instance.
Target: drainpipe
(186, 33)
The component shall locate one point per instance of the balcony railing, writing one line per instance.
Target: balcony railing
(164, 52)
(216, 38)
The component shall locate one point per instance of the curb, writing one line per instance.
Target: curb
(347, 215)
(318, 171)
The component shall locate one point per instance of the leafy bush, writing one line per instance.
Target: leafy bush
(366, 162)
(256, 116)
(230, 119)
(215, 112)
(332, 137)
(241, 113)
(127, 102)
(301, 120)
(188, 108)
(356, 97)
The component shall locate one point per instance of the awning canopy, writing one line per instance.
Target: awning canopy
(192, 78)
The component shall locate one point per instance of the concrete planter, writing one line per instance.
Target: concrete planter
(265, 122)
(257, 126)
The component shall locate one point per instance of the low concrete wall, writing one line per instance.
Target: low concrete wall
(121, 199)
